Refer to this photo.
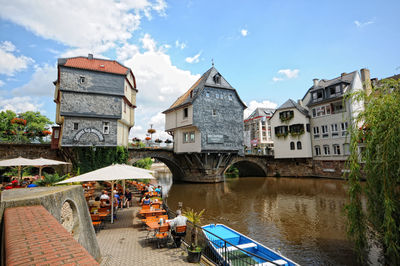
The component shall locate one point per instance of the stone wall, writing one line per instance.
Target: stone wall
(53, 200)
(80, 137)
(298, 167)
(329, 169)
(226, 124)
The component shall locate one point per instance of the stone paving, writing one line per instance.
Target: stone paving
(123, 243)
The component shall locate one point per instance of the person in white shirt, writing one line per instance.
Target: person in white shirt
(104, 196)
(179, 220)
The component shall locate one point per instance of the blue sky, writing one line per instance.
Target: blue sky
(268, 50)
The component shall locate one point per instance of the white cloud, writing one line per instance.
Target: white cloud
(127, 51)
(159, 83)
(1, 83)
(253, 105)
(81, 24)
(41, 83)
(286, 74)
(9, 62)
(363, 24)
(289, 73)
(20, 104)
(276, 79)
(180, 45)
(194, 59)
(244, 32)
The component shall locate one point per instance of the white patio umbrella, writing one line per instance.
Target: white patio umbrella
(112, 173)
(42, 162)
(19, 162)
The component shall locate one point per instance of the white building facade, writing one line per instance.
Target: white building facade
(257, 132)
(291, 131)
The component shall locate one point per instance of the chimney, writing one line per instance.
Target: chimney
(315, 82)
(300, 102)
(366, 80)
(344, 73)
(90, 56)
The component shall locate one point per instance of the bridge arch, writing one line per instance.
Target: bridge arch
(249, 166)
(165, 156)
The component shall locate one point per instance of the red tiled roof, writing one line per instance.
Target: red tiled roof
(97, 65)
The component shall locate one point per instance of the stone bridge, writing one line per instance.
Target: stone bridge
(204, 167)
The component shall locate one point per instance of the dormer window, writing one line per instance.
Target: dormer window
(185, 113)
(191, 94)
(317, 96)
(82, 79)
(217, 79)
(207, 94)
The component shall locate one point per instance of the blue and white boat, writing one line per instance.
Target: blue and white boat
(234, 248)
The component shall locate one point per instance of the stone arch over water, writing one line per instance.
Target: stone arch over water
(249, 167)
(166, 157)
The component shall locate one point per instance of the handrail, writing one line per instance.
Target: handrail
(245, 251)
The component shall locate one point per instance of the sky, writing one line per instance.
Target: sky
(268, 50)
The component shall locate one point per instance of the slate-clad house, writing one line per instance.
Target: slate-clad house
(95, 101)
(208, 118)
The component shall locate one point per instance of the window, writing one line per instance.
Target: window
(191, 94)
(286, 115)
(324, 130)
(106, 127)
(292, 145)
(217, 79)
(326, 150)
(82, 79)
(308, 127)
(296, 129)
(214, 112)
(321, 111)
(188, 137)
(316, 132)
(124, 107)
(299, 145)
(281, 131)
(230, 97)
(343, 127)
(76, 126)
(185, 113)
(337, 107)
(207, 94)
(317, 150)
(317, 96)
(314, 112)
(56, 133)
(336, 149)
(334, 129)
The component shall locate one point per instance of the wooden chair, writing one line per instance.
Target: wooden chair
(180, 231)
(162, 235)
(96, 221)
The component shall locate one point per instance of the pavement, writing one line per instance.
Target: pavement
(123, 243)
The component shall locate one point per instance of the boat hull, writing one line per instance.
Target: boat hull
(233, 247)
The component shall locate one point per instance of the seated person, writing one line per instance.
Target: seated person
(104, 196)
(179, 220)
(96, 203)
(146, 200)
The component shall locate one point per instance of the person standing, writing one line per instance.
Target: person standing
(128, 198)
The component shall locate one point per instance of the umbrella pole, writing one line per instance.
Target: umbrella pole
(123, 191)
(19, 172)
(40, 172)
(112, 202)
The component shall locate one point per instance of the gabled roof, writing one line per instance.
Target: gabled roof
(206, 80)
(292, 104)
(96, 64)
(261, 112)
(346, 78)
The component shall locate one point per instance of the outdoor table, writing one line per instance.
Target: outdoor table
(150, 212)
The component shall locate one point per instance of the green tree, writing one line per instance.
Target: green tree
(50, 180)
(144, 163)
(232, 172)
(375, 155)
(25, 127)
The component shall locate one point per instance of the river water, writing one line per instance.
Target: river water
(301, 217)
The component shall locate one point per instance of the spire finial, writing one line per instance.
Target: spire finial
(212, 61)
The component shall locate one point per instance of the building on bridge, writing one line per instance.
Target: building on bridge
(95, 101)
(208, 118)
(257, 132)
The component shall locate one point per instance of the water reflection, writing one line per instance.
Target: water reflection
(301, 217)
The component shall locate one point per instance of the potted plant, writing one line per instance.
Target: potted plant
(194, 250)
